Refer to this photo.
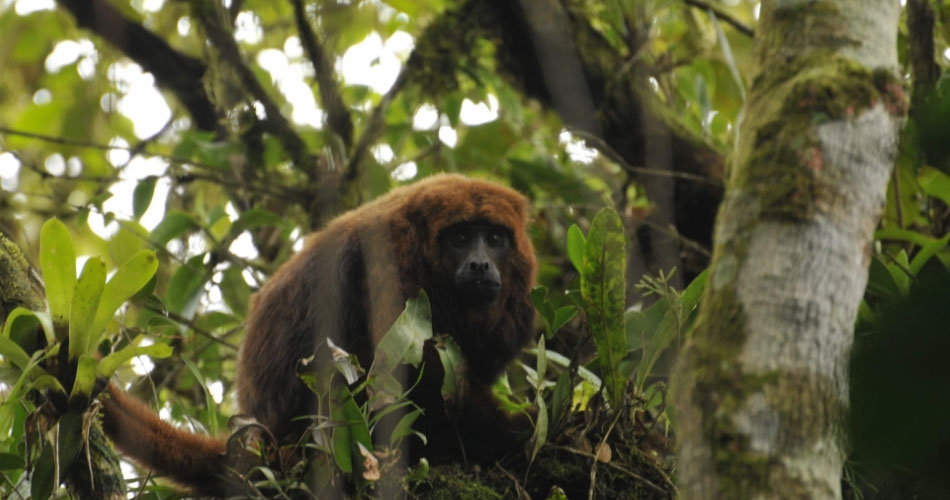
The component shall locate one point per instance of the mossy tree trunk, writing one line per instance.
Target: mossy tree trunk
(762, 386)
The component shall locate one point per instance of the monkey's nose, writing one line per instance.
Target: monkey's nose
(478, 266)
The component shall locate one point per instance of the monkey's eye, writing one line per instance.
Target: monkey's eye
(495, 239)
(458, 239)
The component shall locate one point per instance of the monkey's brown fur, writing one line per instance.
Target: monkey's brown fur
(350, 283)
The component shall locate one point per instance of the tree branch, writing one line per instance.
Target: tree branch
(177, 72)
(338, 118)
(213, 18)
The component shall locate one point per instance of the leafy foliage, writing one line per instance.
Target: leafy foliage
(78, 312)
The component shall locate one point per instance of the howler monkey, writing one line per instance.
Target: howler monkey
(461, 240)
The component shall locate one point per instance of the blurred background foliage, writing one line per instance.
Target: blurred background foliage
(217, 135)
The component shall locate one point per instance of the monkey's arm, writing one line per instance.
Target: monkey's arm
(196, 461)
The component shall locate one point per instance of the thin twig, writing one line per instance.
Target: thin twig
(622, 470)
(373, 130)
(721, 14)
(276, 191)
(605, 149)
(593, 465)
(520, 489)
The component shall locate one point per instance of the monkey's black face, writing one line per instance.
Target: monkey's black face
(476, 251)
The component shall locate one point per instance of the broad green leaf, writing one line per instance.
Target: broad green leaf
(10, 461)
(82, 315)
(142, 196)
(110, 363)
(12, 352)
(21, 328)
(576, 247)
(404, 427)
(553, 319)
(880, 281)
(174, 224)
(935, 183)
(404, 341)
(256, 217)
(453, 364)
(58, 263)
(70, 438)
(539, 297)
(129, 240)
(127, 280)
(44, 474)
(350, 428)
(235, 291)
(186, 286)
(604, 291)
(564, 314)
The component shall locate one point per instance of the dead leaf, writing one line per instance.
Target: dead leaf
(370, 464)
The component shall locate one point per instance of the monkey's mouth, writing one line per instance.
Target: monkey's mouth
(480, 289)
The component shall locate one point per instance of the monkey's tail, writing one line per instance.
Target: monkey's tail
(192, 460)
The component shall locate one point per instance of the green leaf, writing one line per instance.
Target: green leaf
(70, 438)
(540, 435)
(900, 271)
(235, 290)
(209, 401)
(21, 328)
(541, 366)
(564, 314)
(10, 461)
(186, 286)
(44, 472)
(58, 263)
(257, 217)
(553, 319)
(576, 247)
(351, 428)
(82, 315)
(110, 363)
(13, 353)
(880, 281)
(404, 341)
(539, 297)
(174, 224)
(560, 400)
(935, 183)
(19, 334)
(142, 196)
(404, 427)
(673, 324)
(604, 291)
(453, 363)
(85, 380)
(131, 276)
(926, 252)
(893, 233)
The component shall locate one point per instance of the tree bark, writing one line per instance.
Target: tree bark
(762, 387)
